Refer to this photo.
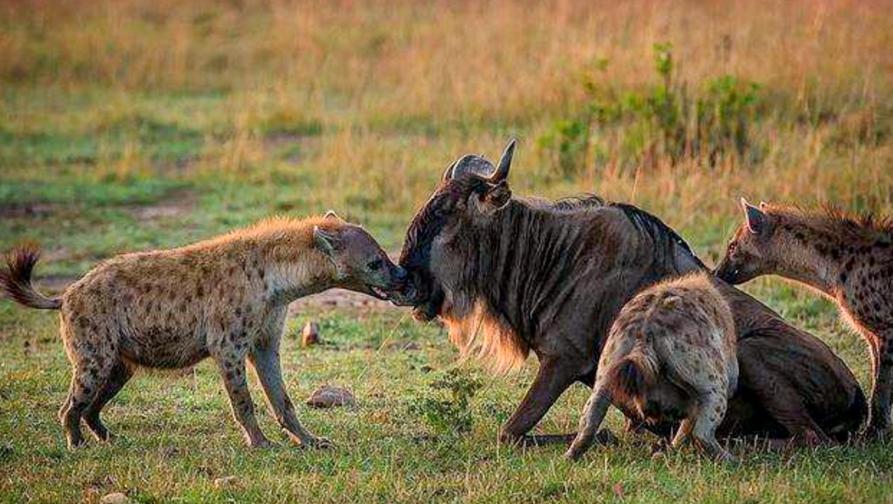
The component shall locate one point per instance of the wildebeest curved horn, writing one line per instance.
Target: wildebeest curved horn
(448, 173)
(505, 162)
(471, 163)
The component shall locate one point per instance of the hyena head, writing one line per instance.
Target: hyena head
(359, 260)
(758, 246)
(470, 193)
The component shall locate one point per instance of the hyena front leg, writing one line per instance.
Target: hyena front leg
(710, 413)
(232, 369)
(266, 364)
(118, 377)
(593, 414)
(882, 357)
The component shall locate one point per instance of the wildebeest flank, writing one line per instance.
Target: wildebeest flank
(511, 275)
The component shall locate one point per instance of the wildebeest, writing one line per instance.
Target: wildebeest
(850, 260)
(225, 298)
(669, 356)
(509, 276)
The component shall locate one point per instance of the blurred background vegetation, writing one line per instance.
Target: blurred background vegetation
(132, 124)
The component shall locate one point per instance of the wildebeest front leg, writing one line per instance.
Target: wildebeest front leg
(553, 378)
(266, 365)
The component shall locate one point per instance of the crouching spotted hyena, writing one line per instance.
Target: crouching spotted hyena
(225, 298)
(670, 356)
(848, 259)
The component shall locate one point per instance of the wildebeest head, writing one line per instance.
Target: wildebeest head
(470, 192)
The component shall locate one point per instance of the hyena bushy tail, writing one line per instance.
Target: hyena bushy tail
(634, 374)
(15, 280)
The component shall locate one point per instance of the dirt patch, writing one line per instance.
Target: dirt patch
(27, 209)
(175, 204)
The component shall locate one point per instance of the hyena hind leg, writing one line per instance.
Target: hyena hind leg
(116, 380)
(85, 385)
(593, 414)
(710, 413)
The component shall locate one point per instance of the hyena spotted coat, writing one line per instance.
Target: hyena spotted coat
(225, 298)
(670, 356)
(850, 260)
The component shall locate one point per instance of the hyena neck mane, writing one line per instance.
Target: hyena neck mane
(534, 257)
(821, 247)
(280, 253)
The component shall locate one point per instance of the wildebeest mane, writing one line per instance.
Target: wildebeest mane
(662, 235)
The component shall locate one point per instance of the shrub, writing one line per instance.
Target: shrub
(445, 405)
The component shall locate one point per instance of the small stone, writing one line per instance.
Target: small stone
(310, 334)
(115, 498)
(328, 396)
(226, 482)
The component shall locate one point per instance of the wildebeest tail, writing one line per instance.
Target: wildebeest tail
(634, 374)
(15, 279)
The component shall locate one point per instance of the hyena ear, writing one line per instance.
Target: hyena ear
(757, 220)
(327, 242)
(331, 215)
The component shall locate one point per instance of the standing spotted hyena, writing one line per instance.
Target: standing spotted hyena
(225, 298)
(670, 355)
(849, 260)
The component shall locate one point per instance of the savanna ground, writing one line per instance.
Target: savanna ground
(130, 125)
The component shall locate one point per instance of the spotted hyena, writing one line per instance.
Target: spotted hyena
(224, 298)
(848, 259)
(670, 355)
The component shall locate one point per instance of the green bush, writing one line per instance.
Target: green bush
(445, 405)
(662, 121)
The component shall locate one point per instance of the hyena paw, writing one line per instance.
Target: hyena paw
(726, 458)
(876, 433)
(259, 443)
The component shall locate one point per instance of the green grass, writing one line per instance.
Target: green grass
(176, 435)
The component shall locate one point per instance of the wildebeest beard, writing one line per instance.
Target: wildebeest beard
(533, 265)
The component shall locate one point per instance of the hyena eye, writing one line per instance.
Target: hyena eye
(733, 248)
(375, 265)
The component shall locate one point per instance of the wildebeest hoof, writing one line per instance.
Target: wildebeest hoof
(606, 437)
(319, 443)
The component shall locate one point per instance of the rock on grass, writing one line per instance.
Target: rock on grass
(328, 396)
(310, 335)
(226, 482)
(115, 498)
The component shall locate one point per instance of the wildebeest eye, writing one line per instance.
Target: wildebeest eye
(733, 248)
(375, 265)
